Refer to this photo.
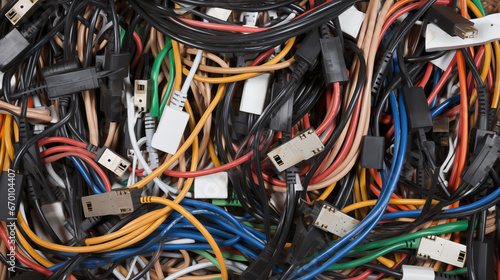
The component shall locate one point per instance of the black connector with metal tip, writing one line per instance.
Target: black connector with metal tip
(451, 22)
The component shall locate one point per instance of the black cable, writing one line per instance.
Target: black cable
(471, 267)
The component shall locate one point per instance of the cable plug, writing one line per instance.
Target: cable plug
(483, 162)
(451, 22)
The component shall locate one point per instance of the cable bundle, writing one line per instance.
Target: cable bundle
(247, 140)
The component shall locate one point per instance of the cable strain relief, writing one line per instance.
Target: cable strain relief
(64, 102)
(178, 100)
(483, 107)
(299, 71)
(325, 32)
(149, 122)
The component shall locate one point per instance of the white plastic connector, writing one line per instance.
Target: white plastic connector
(112, 161)
(302, 147)
(413, 272)
(488, 31)
(169, 132)
(213, 186)
(21, 11)
(334, 221)
(443, 250)
(219, 13)
(351, 21)
(254, 94)
(115, 202)
(141, 95)
(249, 18)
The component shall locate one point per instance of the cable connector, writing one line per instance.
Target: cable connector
(112, 161)
(22, 10)
(443, 250)
(141, 95)
(169, 132)
(333, 60)
(451, 22)
(372, 152)
(484, 258)
(117, 202)
(301, 147)
(417, 109)
(309, 50)
(12, 45)
(254, 94)
(326, 217)
(483, 162)
(307, 239)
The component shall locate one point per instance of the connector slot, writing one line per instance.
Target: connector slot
(141, 95)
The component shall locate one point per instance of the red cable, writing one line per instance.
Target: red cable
(21, 257)
(376, 191)
(362, 276)
(138, 51)
(217, 26)
(88, 160)
(60, 149)
(307, 123)
(333, 111)
(64, 140)
(427, 75)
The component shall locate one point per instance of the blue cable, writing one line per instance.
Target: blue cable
(437, 77)
(443, 106)
(373, 217)
(85, 175)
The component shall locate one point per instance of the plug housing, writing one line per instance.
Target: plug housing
(417, 109)
(12, 45)
(372, 152)
(116, 202)
(62, 84)
(211, 186)
(141, 95)
(333, 60)
(301, 147)
(333, 220)
(309, 49)
(451, 22)
(22, 10)
(112, 161)
(443, 250)
(482, 164)
(169, 132)
(413, 272)
(254, 94)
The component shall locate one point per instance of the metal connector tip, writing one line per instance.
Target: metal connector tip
(466, 31)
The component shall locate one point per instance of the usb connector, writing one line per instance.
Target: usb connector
(451, 22)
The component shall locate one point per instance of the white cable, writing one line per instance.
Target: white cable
(131, 177)
(133, 140)
(131, 267)
(192, 71)
(53, 175)
(289, 18)
(143, 264)
(118, 274)
(189, 269)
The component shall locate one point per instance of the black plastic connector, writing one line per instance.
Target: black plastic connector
(10, 195)
(111, 103)
(484, 259)
(417, 109)
(477, 139)
(12, 46)
(451, 22)
(334, 64)
(116, 62)
(282, 119)
(309, 50)
(483, 162)
(66, 83)
(372, 152)
(306, 241)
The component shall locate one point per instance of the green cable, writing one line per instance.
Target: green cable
(230, 256)
(413, 244)
(437, 230)
(171, 78)
(479, 5)
(122, 35)
(155, 72)
(459, 271)
(209, 257)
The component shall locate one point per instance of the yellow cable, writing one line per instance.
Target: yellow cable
(361, 179)
(196, 223)
(327, 191)
(32, 251)
(487, 59)
(362, 184)
(385, 261)
(241, 77)
(372, 202)
(496, 91)
(213, 155)
(357, 197)
(178, 65)
(8, 136)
